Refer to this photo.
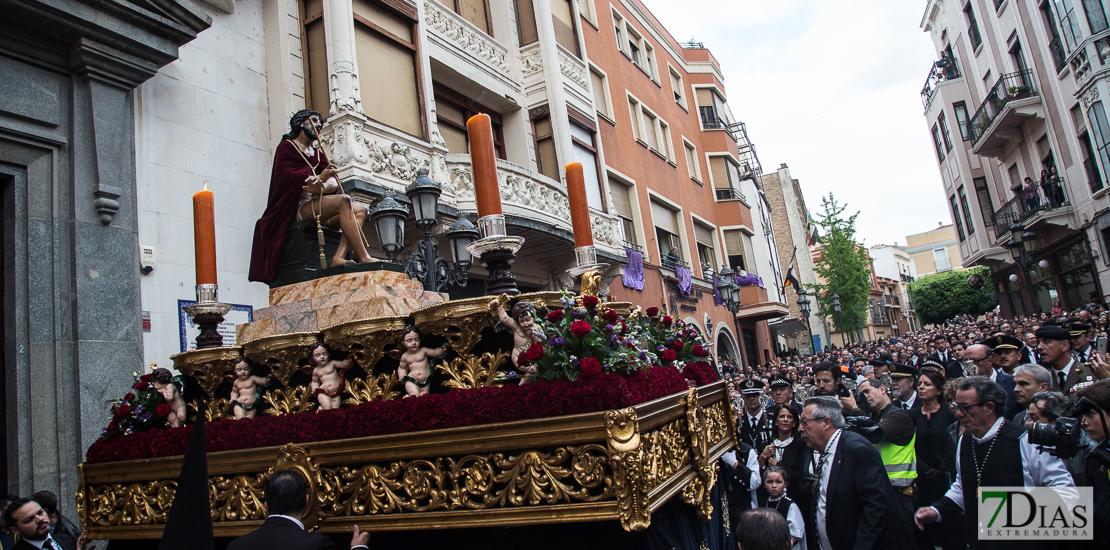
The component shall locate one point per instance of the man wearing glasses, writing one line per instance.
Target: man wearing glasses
(853, 502)
(992, 452)
(981, 357)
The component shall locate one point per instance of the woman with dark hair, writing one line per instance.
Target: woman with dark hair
(931, 421)
(788, 451)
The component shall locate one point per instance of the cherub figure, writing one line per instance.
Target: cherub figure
(521, 323)
(246, 390)
(163, 381)
(415, 367)
(327, 376)
(591, 283)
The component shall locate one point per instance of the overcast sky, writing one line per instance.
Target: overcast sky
(832, 88)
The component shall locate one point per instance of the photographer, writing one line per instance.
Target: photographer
(826, 381)
(893, 431)
(1044, 409)
(1095, 423)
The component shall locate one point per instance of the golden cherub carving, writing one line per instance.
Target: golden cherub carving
(591, 282)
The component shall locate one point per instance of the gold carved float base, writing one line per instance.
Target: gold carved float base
(616, 465)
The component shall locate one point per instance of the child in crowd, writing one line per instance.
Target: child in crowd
(774, 484)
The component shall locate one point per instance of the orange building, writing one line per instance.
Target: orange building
(682, 177)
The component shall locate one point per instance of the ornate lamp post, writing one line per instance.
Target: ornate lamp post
(1022, 245)
(803, 305)
(730, 293)
(836, 308)
(425, 265)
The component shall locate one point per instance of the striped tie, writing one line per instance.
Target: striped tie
(817, 493)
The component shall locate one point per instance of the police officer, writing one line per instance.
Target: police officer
(782, 393)
(755, 422)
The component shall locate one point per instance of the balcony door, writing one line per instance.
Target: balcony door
(1025, 77)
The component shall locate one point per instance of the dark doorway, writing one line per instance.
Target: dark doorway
(749, 348)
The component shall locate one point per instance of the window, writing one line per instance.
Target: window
(622, 207)
(634, 113)
(1015, 177)
(453, 110)
(966, 210)
(1090, 165)
(582, 142)
(707, 256)
(386, 52)
(956, 217)
(546, 159)
(944, 132)
(720, 172)
(1101, 132)
(650, 133)
(734, 247)
(474, 11)
(983, 195)
(650, 55)
(676, 87)
(940, 257)
(693, 167)
(972, 27)
(1069, 24)
(666, 232)
(713, 109)
(635, 45)
(600, 86)
(562, 17)
(936, 143)
(586, 8)
(665, 147)
(962, 119)
(1096, 17)
(618, 29)
(526, 22)
(315, 56)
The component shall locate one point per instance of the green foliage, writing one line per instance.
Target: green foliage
(942, 296)
(845, 267)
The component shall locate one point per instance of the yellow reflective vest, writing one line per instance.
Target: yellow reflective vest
(900, 462)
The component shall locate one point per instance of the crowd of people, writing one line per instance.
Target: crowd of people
(876, 444)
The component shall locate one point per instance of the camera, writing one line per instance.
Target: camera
(842, 390)
(1063, 437)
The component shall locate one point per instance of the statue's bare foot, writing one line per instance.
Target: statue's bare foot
(336, 262)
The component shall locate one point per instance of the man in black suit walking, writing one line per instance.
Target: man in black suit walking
(286, 495)
(853, 503)
(946, 358)
(26, 518)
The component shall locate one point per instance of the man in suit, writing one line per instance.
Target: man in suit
(286, 495)
(1082, 344)
(1029, 380)
(1006, 352)
(982, 356)
(1056, 356)
(26, 518)
(854, 504)
(755, 421)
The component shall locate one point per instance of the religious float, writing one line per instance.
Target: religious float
(554, 413)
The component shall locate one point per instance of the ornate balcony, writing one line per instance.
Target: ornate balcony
(1011, 101)
(943, 70)
(1029, 211)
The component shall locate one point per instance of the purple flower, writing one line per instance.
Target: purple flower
(556, 341)
(575, 361)
(659, 348)
(643, 356)
(579, 312)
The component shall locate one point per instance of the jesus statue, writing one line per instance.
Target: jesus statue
(303, 186)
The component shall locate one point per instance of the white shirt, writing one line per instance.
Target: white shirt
(290, 518)
(796, 523)
(752, 462)
(1038, 469)
(909, 403)
(826, 469)
(1066, 370)
(42, 542)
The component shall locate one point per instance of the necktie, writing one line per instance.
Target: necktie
(817, 491)
(49, 544)
(1061, 376)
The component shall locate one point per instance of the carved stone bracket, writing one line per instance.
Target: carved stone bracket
(467, 37)
(346, 142)
(396, 158)
(207, 366)
(623, 429)
(352, 103)
(530, 60)
(605, 231)
(574, 69)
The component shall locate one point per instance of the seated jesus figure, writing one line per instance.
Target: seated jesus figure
(302, 188)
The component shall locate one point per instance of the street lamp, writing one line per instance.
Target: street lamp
(730, 293)
(836, 308)
(425, 265)
(1023, 242)
(803, 305)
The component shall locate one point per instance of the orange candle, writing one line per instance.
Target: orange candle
(579, 209)
(487, 194)
(204, 236)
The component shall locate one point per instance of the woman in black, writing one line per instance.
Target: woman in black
(788, 451)
(932, 420)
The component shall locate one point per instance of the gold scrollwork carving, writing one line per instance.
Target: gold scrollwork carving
(207, 366)
(623, 429)
(459, 321)
(290, 400)
(215, 409)
(697, 492)
(366, 339)
(282, 352)
(473, 372)
(665, 452)
(364, 391)
(237, 498)
(295, 457)
(143, 503)
(717, 424)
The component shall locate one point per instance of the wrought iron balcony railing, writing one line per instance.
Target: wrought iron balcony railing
(1029, 203)
(1059, 58)
(943, 69)
(730, 193)
(1009, 87)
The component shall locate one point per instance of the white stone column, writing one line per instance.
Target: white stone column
(556, 98)
(339, 26)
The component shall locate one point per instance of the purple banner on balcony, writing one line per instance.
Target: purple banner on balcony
(717, 301)
(748, 280)
(685, 278)
(633, 275)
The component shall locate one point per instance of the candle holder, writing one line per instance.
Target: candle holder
(586, 258)
(496, 251)
(208, 313)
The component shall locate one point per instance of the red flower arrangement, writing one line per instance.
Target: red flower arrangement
(138, 410)
(162, 410)
(456, 408)
(700, 351)
(590, 302)
(580, 328)
(667, 321)
(669, 355)
(651, 311)
(555, 316)
(591, 366)
(700, 372)
(532, 354)
(610, 316)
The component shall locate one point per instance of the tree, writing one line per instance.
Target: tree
(942, 296)
(845, 267)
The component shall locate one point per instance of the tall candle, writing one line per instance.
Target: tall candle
(579, 209)
(483, 161)
(204, 236)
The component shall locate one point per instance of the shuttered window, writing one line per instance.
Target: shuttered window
(622, 204)
(663, 218)
(734, 242)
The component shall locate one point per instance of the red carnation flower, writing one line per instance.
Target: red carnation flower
(677, 344)
(124, 410)
(667, 321)
(145, 378)
(580, 328)
(532, 354)
(610, 316)
(590, 301)
(129, 396)
(555, 316)
(700, 351)
(162, 410)
(591, 367)
(652, 311)
(141, 385)
(669, 355)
